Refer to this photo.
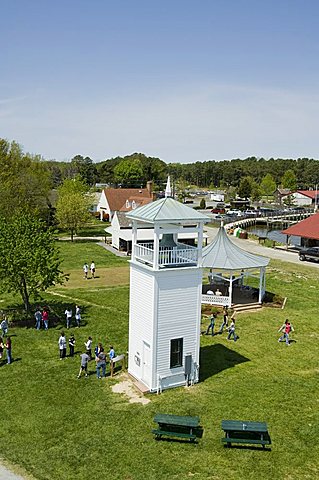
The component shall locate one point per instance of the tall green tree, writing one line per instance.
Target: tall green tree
(84, 167)
(268, 185)
(245, 187)
(129, 173)
(30, 261)
(289, 180)
(25, 181)
(72, 208)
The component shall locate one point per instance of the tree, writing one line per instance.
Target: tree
(202, 204)
(268, 185)
(129, 173)
(289, 180)
(85, 168)
(72, 208)
(30, 260)
(245, 187)
(24, 181)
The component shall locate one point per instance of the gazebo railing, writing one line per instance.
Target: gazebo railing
(210, 299)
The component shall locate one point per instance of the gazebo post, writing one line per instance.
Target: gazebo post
(261, 283)
(230, 289)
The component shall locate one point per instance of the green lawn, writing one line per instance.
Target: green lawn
(58, 427)
(75, 254)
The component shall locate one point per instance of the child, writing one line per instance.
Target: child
(231, 331)
(286, 328)
(4, 327)
(68, 315)
(8, 350)
(45, 318)
(88, 346)
(62, 346)
(212, 324)
(92, 268)
(111, 353)
(38, 318)
(71, 344)
(84, 364)
(85, 270)
(77, 315)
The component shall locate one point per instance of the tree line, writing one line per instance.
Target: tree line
(37, 195)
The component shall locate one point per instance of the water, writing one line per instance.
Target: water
(262, 231)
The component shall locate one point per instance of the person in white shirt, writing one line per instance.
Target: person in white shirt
(77, 315)
(62, 346)
(85, 270)
(92, 268)
(68, 315)
(88, 346)
(218, 293)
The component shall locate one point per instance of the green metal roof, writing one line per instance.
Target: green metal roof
(223, 254)
(166, 209)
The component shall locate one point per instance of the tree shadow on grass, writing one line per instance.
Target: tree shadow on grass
(18, 317)
(216, 358)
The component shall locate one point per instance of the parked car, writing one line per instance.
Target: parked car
(235, 213)
(311, 253)
(218, 210)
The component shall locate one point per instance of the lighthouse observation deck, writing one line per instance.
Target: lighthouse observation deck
(180, 255)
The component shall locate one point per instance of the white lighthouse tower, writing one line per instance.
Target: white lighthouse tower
(165, 295)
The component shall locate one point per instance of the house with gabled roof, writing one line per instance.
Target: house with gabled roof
(305, 197)
(123, 199)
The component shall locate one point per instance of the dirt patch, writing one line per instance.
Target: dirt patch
(127, 388)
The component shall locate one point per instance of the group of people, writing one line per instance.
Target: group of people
(42, 318)
(230, 328)
(69, 314)
(285, 329)
(86, 356)
(86, 270)
(5, 343)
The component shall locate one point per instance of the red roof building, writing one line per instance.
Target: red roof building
(123, 199)
(307, 229)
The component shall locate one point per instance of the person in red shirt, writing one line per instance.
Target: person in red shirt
(45, 318)
(286, 328)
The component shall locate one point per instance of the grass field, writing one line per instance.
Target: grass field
(58, 427)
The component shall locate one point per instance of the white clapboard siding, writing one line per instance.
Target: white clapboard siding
(141, 322)
(179, 310)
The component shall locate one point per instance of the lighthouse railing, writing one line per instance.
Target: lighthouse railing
(179, 255)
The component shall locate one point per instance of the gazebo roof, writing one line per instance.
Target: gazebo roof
(167, 209)
(223, 254)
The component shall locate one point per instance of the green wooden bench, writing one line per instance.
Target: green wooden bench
(255, 433)
(184, 427)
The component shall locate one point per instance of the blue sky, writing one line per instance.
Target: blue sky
(180, 80)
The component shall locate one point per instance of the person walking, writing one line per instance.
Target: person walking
(92, 268)
(62, 346)
(8, 350)
(84, 364)
(1, 347)
(286, 328)
(88, 346)
(4, 326)
(38, 318)
(45, 318)
(71, 344)
(212, 324)
(232, 331)
(85, 270)
(77, 315)
(225, 320)
(101, 364)
(68, 316)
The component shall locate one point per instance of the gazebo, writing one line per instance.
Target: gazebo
(229, 267)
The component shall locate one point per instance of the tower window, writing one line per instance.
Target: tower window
(176, 358)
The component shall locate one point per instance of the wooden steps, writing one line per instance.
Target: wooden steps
(244, 307)
(138, 385)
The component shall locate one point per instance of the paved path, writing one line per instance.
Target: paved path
(253, 247)
(7, 475)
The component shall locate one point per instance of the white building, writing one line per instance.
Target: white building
(165, 296)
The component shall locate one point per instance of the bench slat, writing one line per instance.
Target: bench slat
(177, 420)
(174, 434)
(246, 440)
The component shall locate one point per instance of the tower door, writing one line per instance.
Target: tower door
(146, 375)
